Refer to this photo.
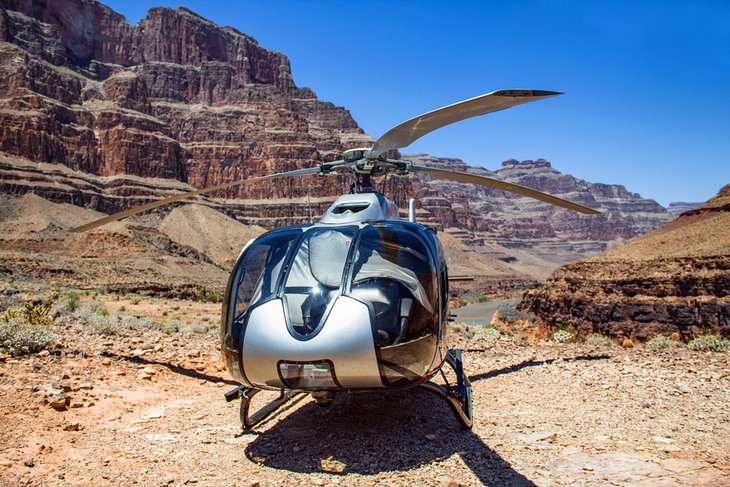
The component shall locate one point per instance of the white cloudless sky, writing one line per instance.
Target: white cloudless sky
(647, 83)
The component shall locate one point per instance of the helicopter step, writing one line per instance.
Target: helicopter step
(248, 421)
(458, 398)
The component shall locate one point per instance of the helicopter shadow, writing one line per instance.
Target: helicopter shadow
(369, 433)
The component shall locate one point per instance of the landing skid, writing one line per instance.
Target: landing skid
(458, 398)
(248, 421)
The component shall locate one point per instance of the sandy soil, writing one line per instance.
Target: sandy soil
(147, 408)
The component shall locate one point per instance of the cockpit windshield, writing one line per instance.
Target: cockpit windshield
(315, 275)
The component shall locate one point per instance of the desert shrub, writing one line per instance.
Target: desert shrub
(106, 325)
(206, 296)
(21, 338)
(33, 312)
(199, 328)
(487, 332)
(709, 343)
(563, 336)
(661, 342)
(168, 327)
(600, 341)
(68, 304)
(25, 329)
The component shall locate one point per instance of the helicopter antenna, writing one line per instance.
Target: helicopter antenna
(309, 203)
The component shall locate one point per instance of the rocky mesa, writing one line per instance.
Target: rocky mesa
(675, 279)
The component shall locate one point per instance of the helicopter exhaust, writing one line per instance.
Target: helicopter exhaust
(412, 210)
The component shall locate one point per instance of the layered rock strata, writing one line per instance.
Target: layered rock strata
(675, 279)
(509, 227)
(106, 115)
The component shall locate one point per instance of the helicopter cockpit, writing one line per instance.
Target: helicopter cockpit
(390, 267)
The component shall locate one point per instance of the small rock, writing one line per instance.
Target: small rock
(58, 401)
(106, 361)
(29, 463)
(430, 437)
(72, 427)
(6, 463)
(86, 385)
(75, 404)
(538, 436)
(627, 343)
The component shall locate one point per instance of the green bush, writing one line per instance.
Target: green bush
(70, 303)
(709, 343)
(600, 341)
(661, 342)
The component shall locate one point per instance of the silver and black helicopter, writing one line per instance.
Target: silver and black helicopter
(360, 299)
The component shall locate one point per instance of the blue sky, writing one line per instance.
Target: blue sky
(647, 83)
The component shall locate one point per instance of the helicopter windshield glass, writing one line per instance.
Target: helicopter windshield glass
(315, 275)
(259, 271)
(394, 275)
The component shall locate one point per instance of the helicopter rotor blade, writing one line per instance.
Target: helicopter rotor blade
(504, 186)
(178, 197)
(407, 132)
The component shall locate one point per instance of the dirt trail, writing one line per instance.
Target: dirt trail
(148, 409)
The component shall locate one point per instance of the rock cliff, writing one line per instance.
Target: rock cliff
(675, 279)
(533, 236)
(102, 114)
(174, 97)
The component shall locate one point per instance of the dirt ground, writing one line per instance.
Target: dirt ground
(146, 407)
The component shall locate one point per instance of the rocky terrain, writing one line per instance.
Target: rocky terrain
(531, 236)
(673, 280)
(141, 402)
(98, 113)
(676, 208)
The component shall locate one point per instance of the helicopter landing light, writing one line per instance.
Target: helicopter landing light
(312, 375)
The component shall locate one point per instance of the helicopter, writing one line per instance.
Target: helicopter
(358, 301)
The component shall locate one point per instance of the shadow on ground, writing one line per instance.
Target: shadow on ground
(535, 363)
(369, 433)
(173, 368)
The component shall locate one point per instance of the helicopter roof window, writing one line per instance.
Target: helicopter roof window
(352, 207)
(315, 276)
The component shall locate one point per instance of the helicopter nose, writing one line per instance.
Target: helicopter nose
(343, 348)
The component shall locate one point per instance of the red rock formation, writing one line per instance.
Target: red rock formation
(174, 97)
(675, 279)
(181, 99)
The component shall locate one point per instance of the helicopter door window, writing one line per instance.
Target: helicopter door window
(393, 273)
(315, 276)
(259, 270)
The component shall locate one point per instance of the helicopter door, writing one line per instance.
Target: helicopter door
(395, 276)
(252, 283)
(314, 278)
